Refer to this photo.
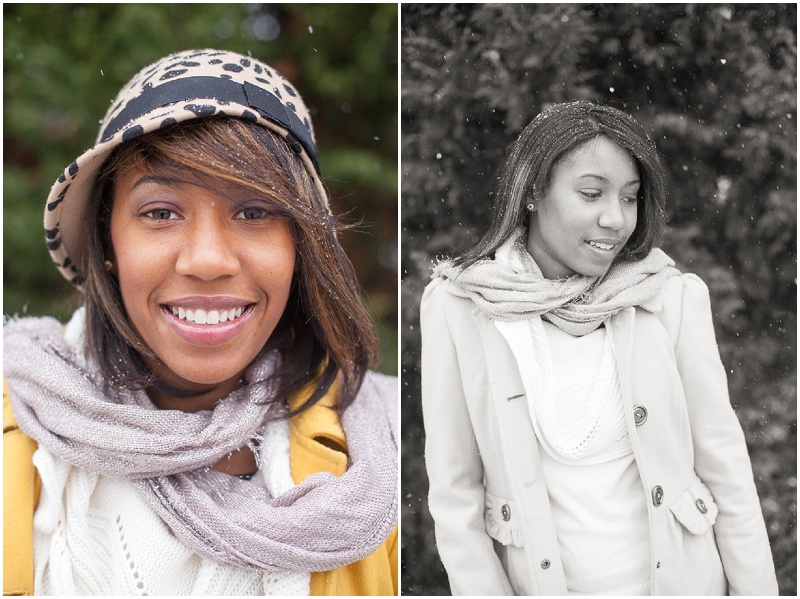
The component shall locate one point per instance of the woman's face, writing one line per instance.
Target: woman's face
(204, 274)
(588, 212)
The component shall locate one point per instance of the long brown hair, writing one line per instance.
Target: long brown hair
(324, 331)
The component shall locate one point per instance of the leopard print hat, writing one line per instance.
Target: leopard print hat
(180, 87)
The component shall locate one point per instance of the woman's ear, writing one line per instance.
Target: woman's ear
(110, 262)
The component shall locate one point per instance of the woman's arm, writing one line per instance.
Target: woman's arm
(455, 471)
(721, 458)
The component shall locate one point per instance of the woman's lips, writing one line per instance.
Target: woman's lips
(207, 334)
(604, 245)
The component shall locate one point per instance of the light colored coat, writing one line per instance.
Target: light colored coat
(494, 528)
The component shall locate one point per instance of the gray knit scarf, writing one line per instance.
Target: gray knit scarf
(322, 524)
(511, 287)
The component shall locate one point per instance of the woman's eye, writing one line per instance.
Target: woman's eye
(253, 213)
(631, 199)
(592, 195)
(160, 214)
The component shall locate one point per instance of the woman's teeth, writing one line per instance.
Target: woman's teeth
(200, 316)
(600, 246)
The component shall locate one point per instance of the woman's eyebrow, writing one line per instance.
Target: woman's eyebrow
(605, 180)
(160, 180)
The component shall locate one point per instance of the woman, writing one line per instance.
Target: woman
(206, 423)
(579, 436)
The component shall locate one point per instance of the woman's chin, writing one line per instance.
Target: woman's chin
(595, 273)
(196, 381)
(595, 268)
(198, 378)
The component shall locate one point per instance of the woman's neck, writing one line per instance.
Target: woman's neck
(172, 392)
(167, 395)
(550, 267)
(238, 463)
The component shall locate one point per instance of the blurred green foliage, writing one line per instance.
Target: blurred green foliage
(715, 84)
(64, 63)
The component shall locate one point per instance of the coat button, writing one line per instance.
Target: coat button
(639, 415)
(701, 505)
(505, 512)
(658, 495)
(545, 564)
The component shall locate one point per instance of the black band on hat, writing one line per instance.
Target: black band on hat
(225, 90)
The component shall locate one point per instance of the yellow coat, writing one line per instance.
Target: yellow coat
(317, 444)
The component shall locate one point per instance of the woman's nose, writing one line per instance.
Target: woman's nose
(207, 252)
(612, 215)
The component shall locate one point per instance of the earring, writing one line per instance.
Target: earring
(531, 207)
(109, 265)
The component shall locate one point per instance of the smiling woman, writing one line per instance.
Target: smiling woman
(579, 435)
(181, 247)
(207, 422)
(585, 219)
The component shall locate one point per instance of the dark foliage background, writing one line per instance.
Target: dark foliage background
(715, 84)
(64, 63)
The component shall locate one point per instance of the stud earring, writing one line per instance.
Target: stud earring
(109, 265)
(531, 207)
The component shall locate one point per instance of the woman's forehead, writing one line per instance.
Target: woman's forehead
(178, 178)
(601, 157)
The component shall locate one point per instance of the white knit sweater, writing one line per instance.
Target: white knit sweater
(598, 506)
(95, 535)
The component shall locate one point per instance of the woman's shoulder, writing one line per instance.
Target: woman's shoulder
(381, 385)
(684, 289)
(31, 327)
(381, 390)
(45, 327)
(25, 340)
(379, 395)
(442, 295)
(435, 288)
(683, 296)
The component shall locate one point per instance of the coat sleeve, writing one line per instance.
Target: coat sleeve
(455, 471)
(721, 458)
(21, 486)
